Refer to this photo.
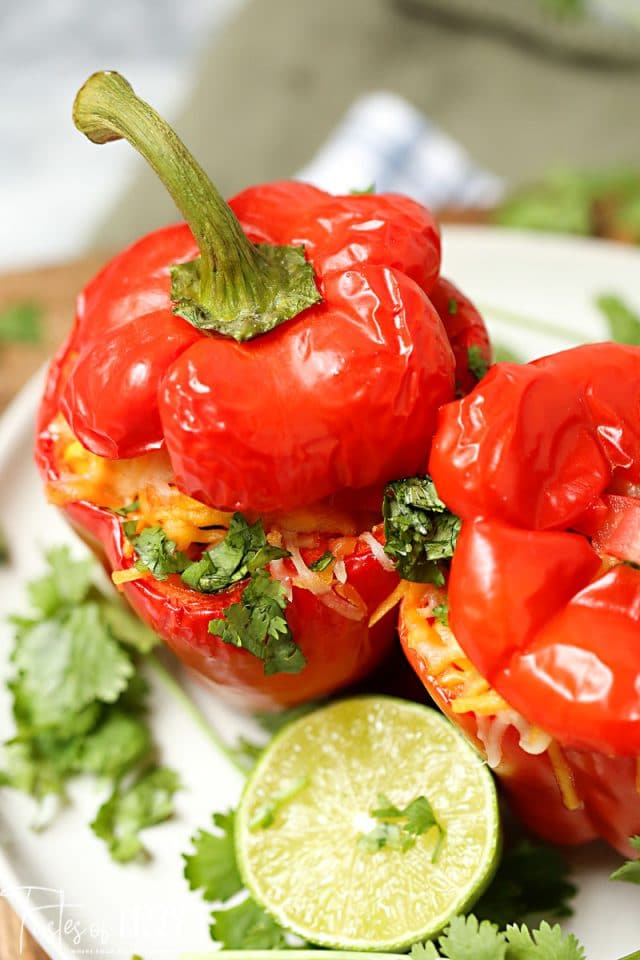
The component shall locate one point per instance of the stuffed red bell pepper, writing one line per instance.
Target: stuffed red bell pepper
(533, 645)
(233, 396)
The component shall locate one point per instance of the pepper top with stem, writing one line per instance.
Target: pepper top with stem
(234, 287)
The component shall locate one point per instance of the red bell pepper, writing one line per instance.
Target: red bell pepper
(283, 356)
(542, 464)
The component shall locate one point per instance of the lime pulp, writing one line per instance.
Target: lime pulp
(308, 867)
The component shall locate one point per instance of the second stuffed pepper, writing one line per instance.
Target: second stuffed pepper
(533, 644)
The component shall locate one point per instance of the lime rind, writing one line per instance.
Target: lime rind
(307, 869)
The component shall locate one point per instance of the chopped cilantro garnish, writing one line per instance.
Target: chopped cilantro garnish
(452, 306)
(21, 323)
(477, 362)
(419, 529)
(79, 700)
(257, 624)
(441, 613)
(267, 814)
(629, 872)
(398, 829)
(622, 321)
(158, 554)
(322, 562)
(128, 508)
(243, 551)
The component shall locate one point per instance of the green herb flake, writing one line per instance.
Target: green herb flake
(629, 872)
(623, 322)
(257, 624)
(398, 828)
(21, 323)
(243, 552)
(322, 562)
(419, 530)
(478, 364)
(452, 306)
(128, 508)
(441, 613)
(157, 554)
(266, 815)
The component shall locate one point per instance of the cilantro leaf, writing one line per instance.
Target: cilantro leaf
(212, 867)
(452, 306)
(399, 828)
(267, 813)
(622, 321)
(149, 800)
(246, 926)
(418, 528)
(243, 551)
(322, 562)
(441, 613)
(629, 872)
(467, 939)
(66, 663)
(21, 323)
(478, 365)
(158, 554)
(532, 879)
(66, 583)
(546, 943)
(257, 624)
(78, 699)
(128, 508)
(424, 951)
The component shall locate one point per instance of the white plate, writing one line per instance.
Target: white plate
(72, 897)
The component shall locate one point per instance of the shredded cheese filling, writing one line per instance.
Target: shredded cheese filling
(149, 481)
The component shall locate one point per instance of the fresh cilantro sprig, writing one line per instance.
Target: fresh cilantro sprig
(419, 530)
(257, 624)
(158, 554)
(212, 868)
(397, 829)
(79, 703)
(629, 872)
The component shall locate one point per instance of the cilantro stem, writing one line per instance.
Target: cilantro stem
(513, 319)
(175, 689)
(632, 956)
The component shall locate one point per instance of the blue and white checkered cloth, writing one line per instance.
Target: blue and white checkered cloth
(383, 140)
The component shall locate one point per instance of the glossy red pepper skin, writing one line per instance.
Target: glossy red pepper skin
(607, 787)
(290, 417)
(465, 329)
(532, 450)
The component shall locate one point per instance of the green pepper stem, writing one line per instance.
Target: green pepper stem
(233, 278)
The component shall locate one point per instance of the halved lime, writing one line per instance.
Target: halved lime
(308, 804)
